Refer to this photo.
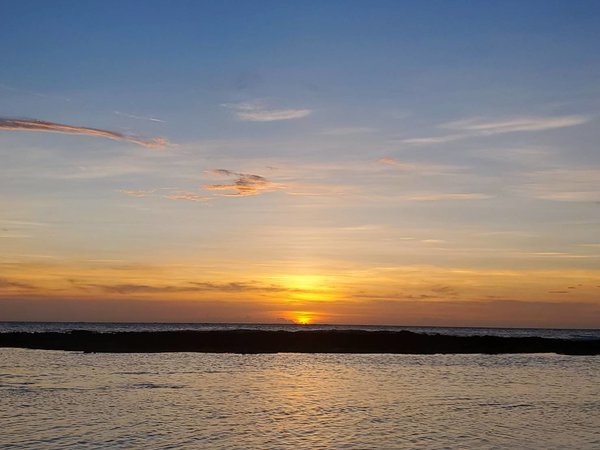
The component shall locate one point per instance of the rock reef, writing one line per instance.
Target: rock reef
(325, 341)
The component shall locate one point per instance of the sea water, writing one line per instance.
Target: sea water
(56, 400)
(107, 327)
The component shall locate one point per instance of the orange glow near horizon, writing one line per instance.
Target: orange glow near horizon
(308, 287)
(418, 295)
(303, 317)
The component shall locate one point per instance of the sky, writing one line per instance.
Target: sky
(351, 162)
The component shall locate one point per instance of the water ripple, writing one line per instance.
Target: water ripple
(63, 400)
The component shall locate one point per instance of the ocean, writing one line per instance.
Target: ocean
(60, 400)
(104, 327)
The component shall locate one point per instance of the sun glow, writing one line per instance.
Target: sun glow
(308, 287)
(303, 317)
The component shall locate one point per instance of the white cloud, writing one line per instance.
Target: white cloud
(133, 116)
(435, 139)
(480, 127)
(257, 112)
(511, 125)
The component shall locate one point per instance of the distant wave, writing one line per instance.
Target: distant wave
(103, 327)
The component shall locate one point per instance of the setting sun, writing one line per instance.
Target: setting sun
(303, 317)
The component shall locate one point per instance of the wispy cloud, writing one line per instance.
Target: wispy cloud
(257, 112)
(133, 116)
(34, 93)
(590, 245)
(480, 127)
(446, 196)
(322, 190)
(245, 184)
(175, 195)
(205, 286)
(556, 255)
(10, 124)
(420, 168)
(436, 139)
(189, 196)
(511, 125)
(26, 223)
(242, 185)
(397, 164)
(565, 185)
(138, 193)
(347, 131)
(10, 284)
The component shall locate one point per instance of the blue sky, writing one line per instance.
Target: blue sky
(318, 145)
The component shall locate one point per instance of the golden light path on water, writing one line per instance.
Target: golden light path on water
(227, 401)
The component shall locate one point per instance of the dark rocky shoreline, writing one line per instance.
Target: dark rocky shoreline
(326, 341)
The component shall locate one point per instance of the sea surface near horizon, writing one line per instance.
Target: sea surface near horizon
(60, 400)
(108, 327)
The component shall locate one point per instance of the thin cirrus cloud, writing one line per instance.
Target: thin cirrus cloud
(244, 184)
(397, 164)
(10, 284)
(516, 124)
(479, 127)
(566, 185)
(433, 197)
(137, 193)
(257, 112)
(436, 139)
(177, 195)
(10, 124)
(189, 196)
(206, 286)
(419, 168)
(133, 116)
(347, 131)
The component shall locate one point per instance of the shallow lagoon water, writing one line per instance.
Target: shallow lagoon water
(53, 399)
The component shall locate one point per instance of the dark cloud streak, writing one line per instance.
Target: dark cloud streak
(190, 287)
(10, 124)
(8, 284)
(245, 184)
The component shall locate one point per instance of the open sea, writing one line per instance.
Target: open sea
(60, 400)
(104, 327)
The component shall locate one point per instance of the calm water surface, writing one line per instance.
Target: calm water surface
(51, 399)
